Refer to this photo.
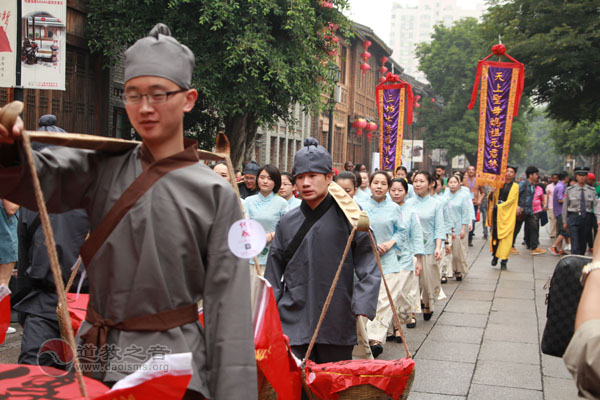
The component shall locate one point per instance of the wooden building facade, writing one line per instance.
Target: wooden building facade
(84, 106)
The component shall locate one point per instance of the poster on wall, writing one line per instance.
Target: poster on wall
(44, 42)
(8, 42)
(412, 151)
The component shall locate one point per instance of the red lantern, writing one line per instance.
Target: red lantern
(365, 56)
(367, 44)
(433, 99)
(417, 105)
(383, 70)
(369, 136)
(371, 127)
(418, 97)
(365, 67)
(359, 125)
(381, 79)
(383, 60)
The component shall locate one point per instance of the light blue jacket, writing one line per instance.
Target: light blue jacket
(385, 219)
(293, 202)
(448, 217)
(411, 241)
(266, 211)
(411, 192)
(464, 191)
(460, 208)
(429, 211)
(362, 195)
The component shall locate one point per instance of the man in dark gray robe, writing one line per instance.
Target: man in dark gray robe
(36, 297)
(159, 221)
(302, 280)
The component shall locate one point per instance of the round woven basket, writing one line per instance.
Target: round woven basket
(360, 392)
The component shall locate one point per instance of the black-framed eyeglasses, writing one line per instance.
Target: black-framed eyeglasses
(156, 97)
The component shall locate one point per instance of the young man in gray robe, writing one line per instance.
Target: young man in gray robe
(159, 221)
(302, 280)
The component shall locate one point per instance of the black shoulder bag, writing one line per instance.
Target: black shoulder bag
(562, 299)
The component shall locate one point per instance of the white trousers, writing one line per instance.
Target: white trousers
(446, 263)
(429, 281)
(404, 288)
(362, 350)
(459, 255)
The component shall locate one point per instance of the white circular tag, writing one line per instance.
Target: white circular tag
(246, 238)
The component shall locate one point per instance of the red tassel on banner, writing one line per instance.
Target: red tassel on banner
(500, 50)
(392, 78)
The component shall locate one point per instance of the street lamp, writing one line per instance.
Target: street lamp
(334, 77)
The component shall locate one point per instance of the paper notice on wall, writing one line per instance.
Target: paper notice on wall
(43, 44)
(8, 42)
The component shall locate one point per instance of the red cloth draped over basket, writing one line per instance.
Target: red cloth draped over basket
(327, 380)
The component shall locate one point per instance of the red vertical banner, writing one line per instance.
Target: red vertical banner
(394, 101)
(500, 95)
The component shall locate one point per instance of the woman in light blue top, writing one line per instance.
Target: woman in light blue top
(347, 180)
(286, 191)
(429, 211)
(446, 262)
(409, 252)
(363, 193)
(385, 220)
(266, 208)
(460, 207)
(402, 172)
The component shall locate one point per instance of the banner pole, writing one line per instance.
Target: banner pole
(18, 93)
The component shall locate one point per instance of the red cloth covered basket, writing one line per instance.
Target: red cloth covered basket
(360, 379)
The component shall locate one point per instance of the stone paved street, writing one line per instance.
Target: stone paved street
(483, 341)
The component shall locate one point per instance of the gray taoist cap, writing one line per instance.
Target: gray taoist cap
(47, 123)
(160, 54)
(312, 158)
(251, 168)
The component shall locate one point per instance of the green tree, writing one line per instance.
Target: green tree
(543, 153)
(559, 43)
(254, 58)
(450, 63)
(582, 138)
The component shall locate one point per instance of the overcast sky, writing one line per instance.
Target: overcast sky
(376, 13)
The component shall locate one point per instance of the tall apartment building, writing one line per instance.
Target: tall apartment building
(412, 24)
